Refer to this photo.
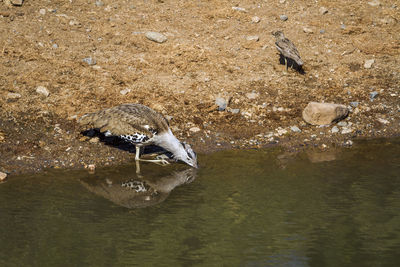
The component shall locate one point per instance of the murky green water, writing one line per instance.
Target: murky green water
(242, 208)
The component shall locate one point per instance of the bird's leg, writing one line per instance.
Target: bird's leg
(161, 162)
(286, 64)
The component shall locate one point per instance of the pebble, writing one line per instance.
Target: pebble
(156, 37)
(13, 96)
(342, 124)
(334, 129)
(235, 110)
(383, 121)
(3, 176)
(94, 140)
(281, 131)
(42, 11)
(374, 3)
(42, 90)
(74, 22)
(99, 3)
(90, 61)
(283, 17)
(195, 129)
(125, 91)
(373, 95)
(17, 2)
(255, 19)
(295, 129)
(91, 167)
(342, 26)
(240, 9)
(253, 38)
(322, 31)
(55, 46)
(368, 63)
(307, 30)
(221, 103)
(252, 95)
(323, 10)
(354, 104)
(346, 130)
(348, 143)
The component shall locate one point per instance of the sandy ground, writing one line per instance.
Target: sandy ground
(87, 54)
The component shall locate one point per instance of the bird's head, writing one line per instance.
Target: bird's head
(188, 156)
(278, 34)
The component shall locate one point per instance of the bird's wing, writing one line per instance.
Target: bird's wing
(127, 119)
(289, 50)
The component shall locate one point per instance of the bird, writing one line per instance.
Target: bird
(287, 49)
(140, 126)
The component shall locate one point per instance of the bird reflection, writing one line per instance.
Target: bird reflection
(140, 190)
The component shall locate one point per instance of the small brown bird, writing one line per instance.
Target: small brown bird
(141, 126)
(287, 49)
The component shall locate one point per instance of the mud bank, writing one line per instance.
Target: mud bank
(89, 55)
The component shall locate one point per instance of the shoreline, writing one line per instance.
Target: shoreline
(215, 74)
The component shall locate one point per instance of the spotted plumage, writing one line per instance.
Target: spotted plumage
(287, 49)
(141, 126)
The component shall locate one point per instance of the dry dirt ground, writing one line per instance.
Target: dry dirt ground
(213, 50)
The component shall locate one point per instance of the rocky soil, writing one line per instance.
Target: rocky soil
(212, 70)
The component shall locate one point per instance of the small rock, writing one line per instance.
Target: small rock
(55, 46)
(42, 90)
(283, 17)
(17, 2)
(307, 30)
(295, 129)
(3, 176)
(255, 19)
(252, 95)
(346, 130)
(253, 38)
(99, 3)
(90, 61)
(322, 31)
(42, 11)
(13, 96)
(342, 124)
(91, 167)
(74, 22)
(195, 129)
(323, 10)
(383, 121)
(281, 131)
(125, 91)
(324, 113)
(348, 143)
(156, 37)
(235, 110)
(221, 103)
(372, 95)
(334, 129)
(368, 63)
(374, 3)
(354, 104)
(94, 140)
(240, 9)
(342, 26)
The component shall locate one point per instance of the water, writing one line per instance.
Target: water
(242, 208)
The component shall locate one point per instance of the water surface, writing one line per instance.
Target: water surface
(241, 208)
